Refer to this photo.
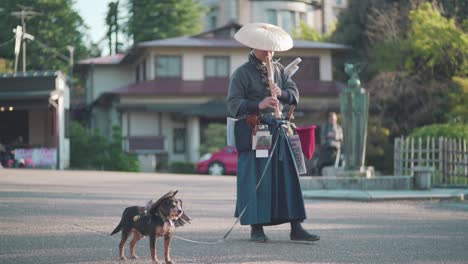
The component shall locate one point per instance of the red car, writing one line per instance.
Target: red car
(218, 163)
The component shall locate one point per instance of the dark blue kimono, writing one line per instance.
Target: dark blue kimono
(279, 196)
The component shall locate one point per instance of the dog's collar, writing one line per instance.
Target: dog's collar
(171, 223)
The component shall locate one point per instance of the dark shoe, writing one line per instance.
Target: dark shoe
(304, 236)
(300, 234)
(257, 234)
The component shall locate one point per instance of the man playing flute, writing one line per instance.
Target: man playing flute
(251, 96)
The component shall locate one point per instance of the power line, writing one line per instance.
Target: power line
(52, 50)
(6, 42)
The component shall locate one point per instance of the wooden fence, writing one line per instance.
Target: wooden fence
(448, 157)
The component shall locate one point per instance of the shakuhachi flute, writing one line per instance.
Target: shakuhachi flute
(271, 83)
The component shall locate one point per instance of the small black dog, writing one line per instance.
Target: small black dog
(153, 220)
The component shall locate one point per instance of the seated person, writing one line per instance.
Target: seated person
(331, 137)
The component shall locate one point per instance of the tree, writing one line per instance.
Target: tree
(215, 135)
(113, 27)
(403, 101)
(459, 112)
(439, 48)
(151, 20)
(309, 33)
(55, 27)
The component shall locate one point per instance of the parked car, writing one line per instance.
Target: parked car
(218, 163)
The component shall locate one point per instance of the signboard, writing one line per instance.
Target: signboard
(297, 153)
(40, 157)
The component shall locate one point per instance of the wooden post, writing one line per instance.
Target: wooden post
(412, 156)
(406, 152)
(465, 160)
(441, 158)
(396, 163)
(420, 159)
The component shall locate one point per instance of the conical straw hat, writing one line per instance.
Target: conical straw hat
(263, 36)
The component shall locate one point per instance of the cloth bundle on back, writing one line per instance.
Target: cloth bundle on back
(255, 92)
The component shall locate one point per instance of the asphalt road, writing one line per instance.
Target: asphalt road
(65, 217)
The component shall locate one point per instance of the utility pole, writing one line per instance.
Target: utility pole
(25, 13)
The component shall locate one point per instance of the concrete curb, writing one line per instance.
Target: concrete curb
(361, 195)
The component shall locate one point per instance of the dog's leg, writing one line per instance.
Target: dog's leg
(122, 244)
(154, 254)
(167, 248)
(136, 237)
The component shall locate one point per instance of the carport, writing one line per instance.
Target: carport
(34, 110)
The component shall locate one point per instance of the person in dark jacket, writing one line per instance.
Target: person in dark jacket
(278, 198)
(331, 136)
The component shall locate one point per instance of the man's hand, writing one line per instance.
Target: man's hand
(268, 102)
(276, 90)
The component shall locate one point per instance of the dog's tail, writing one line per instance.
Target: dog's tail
(117, 228)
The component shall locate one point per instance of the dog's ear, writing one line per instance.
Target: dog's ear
(170, 194)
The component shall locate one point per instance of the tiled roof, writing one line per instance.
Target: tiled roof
(188, 41)
(106, 60)
(213, 87)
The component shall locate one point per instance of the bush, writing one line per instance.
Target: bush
(182, 167)
(379, 149)
(442, 130)
(215, 138)
(90, 150)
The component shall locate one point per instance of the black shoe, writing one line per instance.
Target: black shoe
(257, 234)
(300, 234)
(304, 236)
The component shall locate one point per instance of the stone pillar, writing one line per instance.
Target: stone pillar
(193, 137)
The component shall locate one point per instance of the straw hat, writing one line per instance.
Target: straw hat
(263, 36)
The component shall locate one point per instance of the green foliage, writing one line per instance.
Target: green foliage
(182, 167)
(442, 130)
(379, 149)
(437, 44)
(404, 102)
(57, 25)
(459, 113)
(151, 20)
(309, 33)
(90, 150)
(388, 56)
(215, 138)
(113, 27)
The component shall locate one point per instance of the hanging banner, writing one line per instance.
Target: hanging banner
(297, 153)
(40, 157)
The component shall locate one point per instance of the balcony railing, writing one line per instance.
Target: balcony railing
(146, 144)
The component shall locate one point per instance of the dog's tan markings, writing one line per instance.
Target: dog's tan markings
(136, 237)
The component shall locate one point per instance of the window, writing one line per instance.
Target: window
(272, 16)
(216, 66)
(212, 17)
(179, 140)
(168, 66)
(339, 2)
(288, 20)
(137, 73)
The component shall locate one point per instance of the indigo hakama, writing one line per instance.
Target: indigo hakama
(279, 196)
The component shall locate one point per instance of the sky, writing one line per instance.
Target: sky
(93, 13)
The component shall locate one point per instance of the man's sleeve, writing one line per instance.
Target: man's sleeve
(290, 92)
(237, 102)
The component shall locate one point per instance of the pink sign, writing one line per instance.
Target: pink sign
(41, 157)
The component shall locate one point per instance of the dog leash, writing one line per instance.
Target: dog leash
(223, 239)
